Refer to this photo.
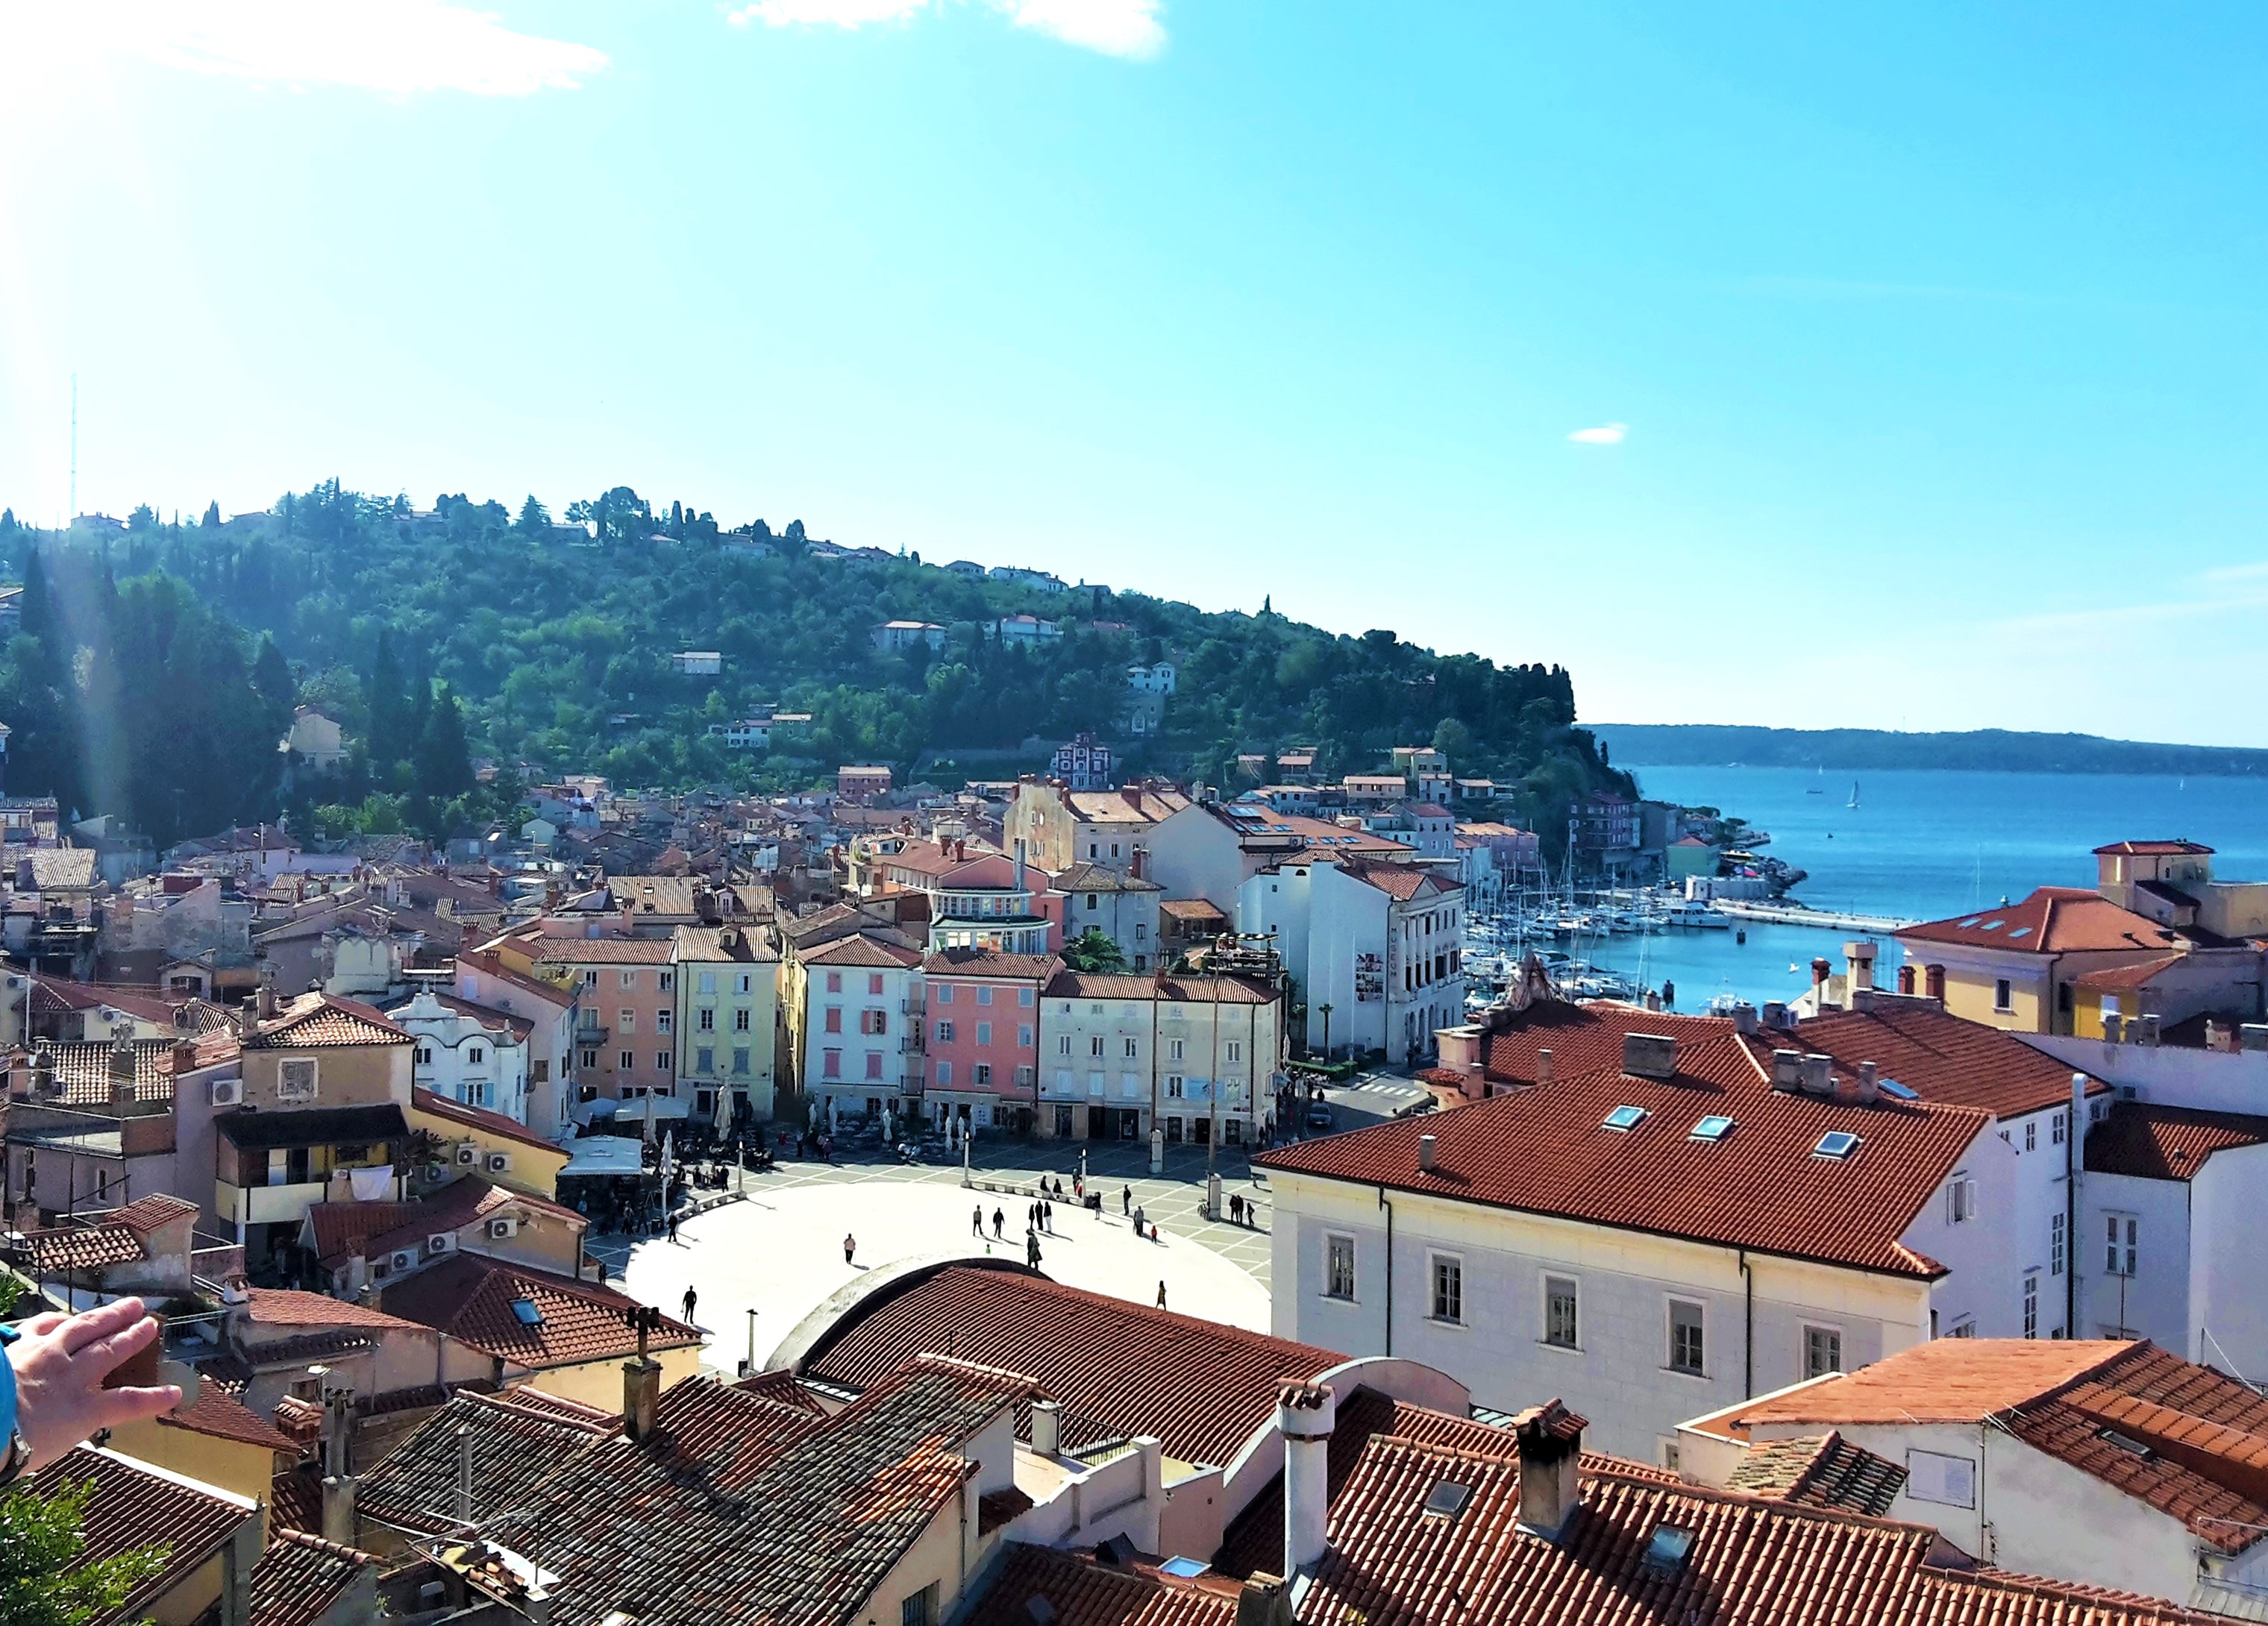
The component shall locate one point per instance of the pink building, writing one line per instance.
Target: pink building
(983, 1039)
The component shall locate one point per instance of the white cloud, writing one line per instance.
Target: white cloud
(1602, 435)
(396, 47)
(1127, 28)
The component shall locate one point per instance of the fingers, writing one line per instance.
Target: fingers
(113, 1407)
(103, 1354)
(82, 1331)
(40, 1325)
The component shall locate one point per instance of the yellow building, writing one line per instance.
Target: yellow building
(2017, 967)
(214, 1439)
(490, 1145)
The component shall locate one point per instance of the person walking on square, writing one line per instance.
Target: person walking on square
(999, 1223)
(1161, 1292)
(849, 1247)
(691, 1298)
(1126, 1200)
(977, 1221)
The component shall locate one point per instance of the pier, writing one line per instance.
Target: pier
(1796, 915)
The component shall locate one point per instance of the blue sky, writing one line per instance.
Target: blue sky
(1878, 365)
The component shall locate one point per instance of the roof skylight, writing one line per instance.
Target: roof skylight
(1970, 922)
(1836, 1143)
(1992, 925)
(1625, 1118)
(1666, 1549)
(1713, 1127)
(2126, 1442)
(1448, 1499)
(524, 1312)
(1903, 1091)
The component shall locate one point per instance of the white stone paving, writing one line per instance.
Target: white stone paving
(780, 1251)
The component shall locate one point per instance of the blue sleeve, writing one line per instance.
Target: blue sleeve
(8, 1336)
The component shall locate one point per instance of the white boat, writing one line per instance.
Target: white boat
(1853, 802)
(1696, 917)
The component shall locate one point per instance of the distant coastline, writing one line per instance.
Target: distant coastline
(1676, 744)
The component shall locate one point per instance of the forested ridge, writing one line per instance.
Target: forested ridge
(532, 645)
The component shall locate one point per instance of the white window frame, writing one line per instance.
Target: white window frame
(2121, 1250)
(1548, 1281)
(1813, 1330)
(1333, 1240)
(1435, 1259)
(1670, 1305)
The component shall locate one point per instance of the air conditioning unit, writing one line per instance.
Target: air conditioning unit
(440, 1242)
(467, 1154)
(499, 1163)
(434, 1172)
(228, 1092)
(404, 1260)
(499, 1230)
(18, 984)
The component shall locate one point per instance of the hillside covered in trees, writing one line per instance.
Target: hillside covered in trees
(540, 644)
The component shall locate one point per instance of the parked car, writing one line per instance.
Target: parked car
(1319, 1115)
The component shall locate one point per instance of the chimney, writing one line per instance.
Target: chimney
(1264, 1602)
(2114, 1027)
(641, 1394)
(2146, 1029)
(1427, 1144)
(1774, 1014)
(1305, 1415)
(1861, 957)
(1744, 1019)
(338, 1483)
(264, 1001)
(1047, 1428)
(1133, 795)
(1870, 1087)
(1818, 1074)
(1788, 1071)
(1020, 863)
(1820, 971)
(464, 1474)
(1551, 1468)
(1933, 982)
(1138, 863)
(1906, 981)
(1649, 1056)
(1544, 1067)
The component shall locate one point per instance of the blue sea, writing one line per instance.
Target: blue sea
(1919, 846)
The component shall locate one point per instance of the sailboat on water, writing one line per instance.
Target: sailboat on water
(1853, 802)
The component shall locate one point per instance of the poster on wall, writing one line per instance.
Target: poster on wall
(1369, 976)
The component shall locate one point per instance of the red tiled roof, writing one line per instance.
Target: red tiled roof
(863, 951)
(295, 1501)
(1820, 1470)
(1583, 1038)
(134, 1504)
(1076, 1591)
(2205, 1436)
(2136, 850)
(82, 1067)
(301, 1577)
(1402, 882)
(1193, 908)
(319, 1021)
(2165, 1143)
(2122, 979)
(1544, 1151)
(2053, 920)
(81, 1247)
(370, 1230)
(489, 963)
(1390, 1564)
(224, 1417)
(1117, 1368)
(144, 1215)
(480, 1118)
(514, 1445)
(1941, 1058)
(1254, 1540)
(595, 950)
(283, 1307)
(985, 962)
(470, 1298)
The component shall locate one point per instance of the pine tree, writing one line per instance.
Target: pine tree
(212, 516)
(534, 521)
(444, 764)
(388, 718)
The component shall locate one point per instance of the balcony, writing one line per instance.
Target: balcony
(262, 1205)
(592, 1035)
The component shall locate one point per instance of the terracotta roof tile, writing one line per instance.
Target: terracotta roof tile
(471, 1299)
(1941, 1058)
(1761, 1186)
(2053, 920)
(134, 1504)
(514, 1446)
(1078, 1591)
(320, 1021)
(1820, 1470)
(1583, 1038)
(479, 1118)
(300, 1578)
(223, 1416)
(144, 1215)
(2169, 849)
(81, 1247)
(2127, 979)
(598, 950)
(1116, 1367)
(82, 1067)
(985, 962)
(862, 950)
(282, 1306)
(2151, 1141)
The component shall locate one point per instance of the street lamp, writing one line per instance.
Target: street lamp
(1326, 1008)
(1213, 1095)
(750, 1370)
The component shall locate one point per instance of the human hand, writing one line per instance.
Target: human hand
(61, 1361)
